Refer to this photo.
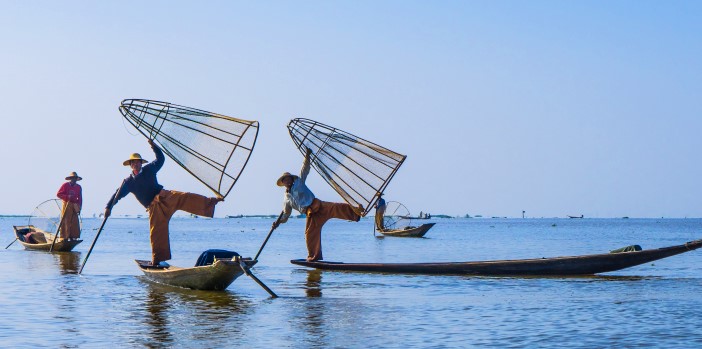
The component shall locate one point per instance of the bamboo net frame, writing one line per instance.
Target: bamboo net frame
(213, 148)
(357, 169)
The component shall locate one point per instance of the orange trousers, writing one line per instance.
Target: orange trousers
(70, 227)
(318, 213)
(380, 218)
(162, 208)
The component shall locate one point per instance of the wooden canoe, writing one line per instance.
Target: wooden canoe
(214, 277)
(413, 232)
(41, 240)
(558, 266)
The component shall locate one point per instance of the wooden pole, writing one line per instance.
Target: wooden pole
(269, 235)
(58, 230)
(13, 241)
(100, 230)
(248, 273)
(93, 245)
(260, 283)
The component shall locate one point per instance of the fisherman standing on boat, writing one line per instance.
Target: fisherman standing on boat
(380, 213)
(318, 212)
(160, 203)
(72, 195)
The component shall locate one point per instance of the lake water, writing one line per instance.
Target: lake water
(46, 304)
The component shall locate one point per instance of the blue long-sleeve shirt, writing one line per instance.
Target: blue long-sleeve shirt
(143, 185)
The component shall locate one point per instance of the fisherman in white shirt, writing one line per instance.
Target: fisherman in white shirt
(299, 197)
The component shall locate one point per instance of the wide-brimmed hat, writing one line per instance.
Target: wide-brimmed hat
(286, 174)
(134, 156)
(74, 175)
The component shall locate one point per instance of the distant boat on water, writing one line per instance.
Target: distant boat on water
(422, 215)
(581, 216)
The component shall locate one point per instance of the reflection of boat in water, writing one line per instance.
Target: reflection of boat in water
(69, 262)
(414, 232)
(558, 266)
(581, 216)
(33, 238)
(217, 275)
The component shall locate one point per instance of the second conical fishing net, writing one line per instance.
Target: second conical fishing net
(357, 169)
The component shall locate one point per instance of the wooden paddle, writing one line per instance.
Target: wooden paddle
(269, 235)
(13, 241)
(99, 230)
(58, 230)
(93, 244)
(248, 273)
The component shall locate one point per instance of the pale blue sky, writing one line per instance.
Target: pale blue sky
(553, 107)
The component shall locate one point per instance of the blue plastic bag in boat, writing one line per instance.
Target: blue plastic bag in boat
(207, 257)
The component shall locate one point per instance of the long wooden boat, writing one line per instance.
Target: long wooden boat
(33, 238)
(216, 276)
(414, 232)
(558, 266)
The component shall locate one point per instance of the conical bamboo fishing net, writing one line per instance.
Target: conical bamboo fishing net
(47, 216)
(214, 148)
(355, 168)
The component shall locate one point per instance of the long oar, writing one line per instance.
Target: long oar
(92, 245)
(246, 269)
(269, 235)
(58, 230)
(13, 241)
(99, 231)
(248, 273)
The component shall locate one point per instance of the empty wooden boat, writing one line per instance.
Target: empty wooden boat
(557, 266)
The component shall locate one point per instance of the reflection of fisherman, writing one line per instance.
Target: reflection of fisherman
(72, 195)
(380, 213)
(160, 203)
(301, 198)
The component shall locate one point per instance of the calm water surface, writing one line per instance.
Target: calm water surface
(46, 304)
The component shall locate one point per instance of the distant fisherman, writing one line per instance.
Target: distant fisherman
(301, 198)
(380, 213)
(72, 195)
(160, 203)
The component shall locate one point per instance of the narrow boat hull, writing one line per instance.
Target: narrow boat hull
(416, 232)
(558, 266)
(48, 239)
(214, 277)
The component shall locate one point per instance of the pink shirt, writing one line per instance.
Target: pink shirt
(71, 193)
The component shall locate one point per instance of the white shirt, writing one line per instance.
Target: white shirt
(299, 197)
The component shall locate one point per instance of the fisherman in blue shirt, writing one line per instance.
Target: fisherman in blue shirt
(160, 203)
(380, 213)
